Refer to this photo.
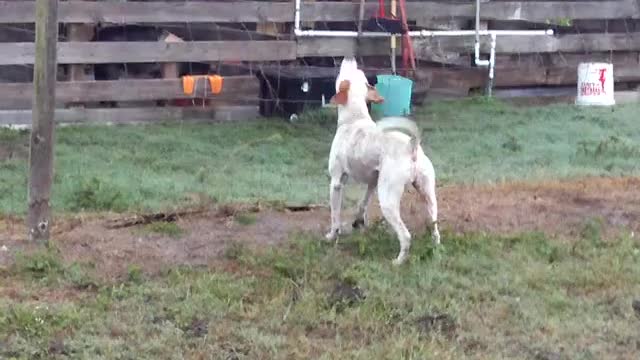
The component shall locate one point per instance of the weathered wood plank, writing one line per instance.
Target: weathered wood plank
(616, 58)
(533, 11)
(134, 115)
(568, 43)
(538, 11)
(338, 47)
(526, 61)
(576, 43)
(425, 48)
(442, 78)
(330, 11)
(79, 32)
(137, 52)
(234, 88)
(157, 11)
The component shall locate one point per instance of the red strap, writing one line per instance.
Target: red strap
(381, 12)
(408, 54)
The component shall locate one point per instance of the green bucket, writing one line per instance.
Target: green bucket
(396, 91)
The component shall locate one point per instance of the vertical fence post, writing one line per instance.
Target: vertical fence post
(78, 72)
(42, 137)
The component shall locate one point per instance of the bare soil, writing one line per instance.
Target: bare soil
(559, 209)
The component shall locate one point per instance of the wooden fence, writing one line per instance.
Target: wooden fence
(588, 31)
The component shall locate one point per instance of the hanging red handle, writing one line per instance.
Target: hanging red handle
(381, 12)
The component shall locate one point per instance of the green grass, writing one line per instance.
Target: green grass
(480, 296)
(45, 267)
(481, 142)
(497, 297)
(124, 168)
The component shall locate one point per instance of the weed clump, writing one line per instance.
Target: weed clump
(97, 195)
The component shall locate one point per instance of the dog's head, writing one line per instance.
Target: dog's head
(352, 86)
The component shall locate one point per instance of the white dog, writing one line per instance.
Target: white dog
(379, 155)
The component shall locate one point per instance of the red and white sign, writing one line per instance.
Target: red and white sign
(595, 84)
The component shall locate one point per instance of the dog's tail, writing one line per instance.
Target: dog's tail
(404, 125)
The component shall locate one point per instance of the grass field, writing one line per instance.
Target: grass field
(480, 296)
(148, 167)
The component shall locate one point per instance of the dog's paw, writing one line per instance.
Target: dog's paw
(358, 224)
(435, 238)
(400, 260)
(331, 235)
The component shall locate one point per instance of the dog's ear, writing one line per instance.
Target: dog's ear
(373, 95)
(341, 96)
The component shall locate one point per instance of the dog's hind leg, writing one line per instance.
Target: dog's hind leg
(390, 191)
(335, 195)
(425, 184)
(361, 215)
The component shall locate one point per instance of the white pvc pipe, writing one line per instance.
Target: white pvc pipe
(296, 18)
(430, 33)
(492, 65)
(478, 61)
(419, 33)
(477, 29)
(492, 56)
(339, 34)
(393, 42)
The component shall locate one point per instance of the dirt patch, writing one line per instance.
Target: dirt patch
(547, 355)
(198, 327)
(556, 208)
(437, 324)
(635, 305)
(17, 290)
(57, 347)
(345, 295)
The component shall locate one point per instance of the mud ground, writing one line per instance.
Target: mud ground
(560, 209)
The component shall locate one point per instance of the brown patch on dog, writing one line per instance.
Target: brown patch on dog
(342, 95)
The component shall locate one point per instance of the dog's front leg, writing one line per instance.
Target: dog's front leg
(335, 195)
